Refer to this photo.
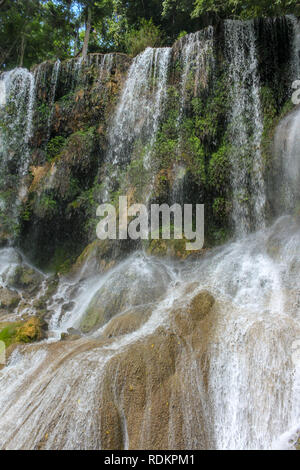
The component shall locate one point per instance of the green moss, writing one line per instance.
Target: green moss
(21, 332)
(62, 260)
(8, 333)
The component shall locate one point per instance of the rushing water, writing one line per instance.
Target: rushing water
(139, 111)
(252, 396)
(246, 127)
(196, 59)
(286, 149)
(238, 374)
(54, 78)
(17, 90)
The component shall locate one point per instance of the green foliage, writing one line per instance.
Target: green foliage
(147, 35)
(244, 8)
(221, 209)
(182, 34)
(219, 170)
(47, 206)
(55, 147)
(8, 334)
(32, 31)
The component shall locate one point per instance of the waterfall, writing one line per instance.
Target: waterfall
(18, 94)
(286, 189)
(196, 57)
(131, 361)
(137, 117)
(17, 108)
(241, 388)
(246, 127)
(295, 61)
(54, 78)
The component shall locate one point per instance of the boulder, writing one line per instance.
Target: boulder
(137, 282)
(127, 323)
(25, 278)
(9, 299)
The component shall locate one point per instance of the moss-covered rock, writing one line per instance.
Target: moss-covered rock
(25, 278)
(172, 249)
(27, 331)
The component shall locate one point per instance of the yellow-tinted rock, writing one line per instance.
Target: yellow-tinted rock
(126, 323)
(30, 331)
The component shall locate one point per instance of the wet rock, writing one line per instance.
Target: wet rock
(96, 258)
(126, 323)
(67, 307)
(69, 337)
(9, 299)
(172, 249)
(25, 278)
(147, 384)
(126, 288)
(28, 331)
(201, 305)
(52, 284)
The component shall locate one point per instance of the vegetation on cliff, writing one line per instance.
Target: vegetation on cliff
(32, 31)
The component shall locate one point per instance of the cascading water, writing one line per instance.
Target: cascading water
(285, 187)
(54, 78)
(246, 127)
(137, 118)
(136, 372)
(16, 109)
(286, 191)
(246, 354)
(18, 95)
(295, 62)
(196, 59)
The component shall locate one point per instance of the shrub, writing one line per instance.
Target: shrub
(55, 147)
(148, 35)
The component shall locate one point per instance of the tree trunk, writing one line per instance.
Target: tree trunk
(87, 34)
(22, 52)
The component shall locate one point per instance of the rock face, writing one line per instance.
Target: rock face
(111, 125)
(71, 118)
(148, 383)
(124, 291)
(139, 397)
(25, 278)
(9, 299)
(28, 331)
(151, 359)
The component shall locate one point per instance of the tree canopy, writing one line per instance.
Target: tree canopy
(32, 31)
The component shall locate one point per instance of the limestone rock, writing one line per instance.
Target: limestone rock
(9, 299)
(25, 278)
